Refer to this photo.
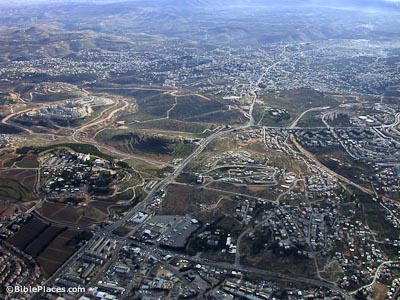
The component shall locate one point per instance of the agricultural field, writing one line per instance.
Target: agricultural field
(87, 200)
(40, 242)
(18, 184)
(8, 158)
(78, 215)
(29, 162)
(49, 245)
(28, 233)
(60, 249)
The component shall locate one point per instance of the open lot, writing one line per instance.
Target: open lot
(201, 203)
(79, 215)
(289, 105)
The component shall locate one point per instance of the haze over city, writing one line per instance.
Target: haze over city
(198, 149)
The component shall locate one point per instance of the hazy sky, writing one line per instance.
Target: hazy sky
(349, 1)
(245, 2)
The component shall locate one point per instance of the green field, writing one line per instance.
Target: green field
(294, 102)
(81, 148)
(147, 143)
(13, 189)
(29, 161)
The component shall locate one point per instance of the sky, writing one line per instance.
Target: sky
(395, 3)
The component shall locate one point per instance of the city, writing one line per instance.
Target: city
(183, 151)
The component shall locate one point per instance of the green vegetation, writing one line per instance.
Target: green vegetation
(338, 160)
(291, 103)
(311, 119)
(373, 212)
(122, 164)
(9, 129)
(81, 148)
(174, 125)
(341, 120)
(147, 143)
(13, 189)
(51, 97)
(183, 150)
(29, 161)
(5, 98)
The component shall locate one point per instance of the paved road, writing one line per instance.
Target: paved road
(248, 269)
(76, 138)
(166, 181)
(376, 275)
(334, 174)
(149, 198)
(7, 120)
(294, 124)
(161, 186)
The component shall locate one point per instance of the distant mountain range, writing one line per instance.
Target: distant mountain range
(210, 22)
(291, 3)
(384, 4)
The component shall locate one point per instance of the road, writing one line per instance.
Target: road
(111, 112)
(162, 185)
(254, 88)
(6, 120)
(70, 261)
(294, 124)
(150, 197)
(167, 180)
(100, 119)
(376, 275)
(326, 169)
(249, 269)
(178, 169)
(334, 174)
(76, 138)
(394, 124)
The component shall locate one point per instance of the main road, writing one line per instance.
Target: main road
(167, 180)
(178, 169)
(145, 202)
(159, 188)
(152, 194)
(294, 124)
